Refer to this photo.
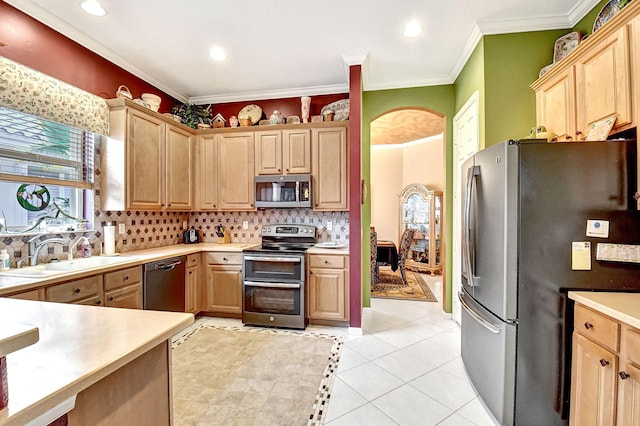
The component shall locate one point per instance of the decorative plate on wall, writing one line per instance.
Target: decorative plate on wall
(607, 12)
(254, 112)
(565, 44)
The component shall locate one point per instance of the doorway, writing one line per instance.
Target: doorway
(407, 147)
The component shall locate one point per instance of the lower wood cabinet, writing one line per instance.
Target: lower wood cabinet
(224, 283)
(605, 372)
(328, 288)
(192, 281)
(37, 294)
(117, 289)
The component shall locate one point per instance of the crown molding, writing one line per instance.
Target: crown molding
(580, 10)
(270, 94)
(405, 84)
(89, 43)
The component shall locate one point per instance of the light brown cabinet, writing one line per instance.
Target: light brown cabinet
(147, 162)
(328, 288)
(123, 288)
(86, 291)
(556, 104)
(236, 171)
(603, 85)
(224, 283)
(207, 172)
(605, 371)
(283, 152)
(329, 168)
(193, 290)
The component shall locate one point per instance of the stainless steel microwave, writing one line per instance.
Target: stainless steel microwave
(283, 191)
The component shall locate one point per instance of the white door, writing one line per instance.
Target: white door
(466, 142)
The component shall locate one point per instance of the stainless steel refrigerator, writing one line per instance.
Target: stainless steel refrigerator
(525, 203)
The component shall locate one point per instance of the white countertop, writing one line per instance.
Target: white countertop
(79, 345)
(12, 284)
(624, 307)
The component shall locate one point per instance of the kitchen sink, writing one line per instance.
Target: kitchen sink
(58, 268)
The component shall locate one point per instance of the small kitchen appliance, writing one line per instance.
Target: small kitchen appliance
(191, 236)
(273, 277)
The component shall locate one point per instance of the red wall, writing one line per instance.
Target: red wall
(31, 43)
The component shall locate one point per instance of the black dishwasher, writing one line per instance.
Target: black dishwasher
(163, 285)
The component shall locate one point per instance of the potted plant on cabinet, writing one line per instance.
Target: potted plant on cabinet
(192, 115)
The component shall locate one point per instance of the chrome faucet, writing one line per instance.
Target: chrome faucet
(34, 249)
(70, 255)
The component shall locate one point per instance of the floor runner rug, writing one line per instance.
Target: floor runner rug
(390, 286)
(252, 376)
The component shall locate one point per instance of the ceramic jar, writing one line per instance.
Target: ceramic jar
(276, 118)
(233, 121)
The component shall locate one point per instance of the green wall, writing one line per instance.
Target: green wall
(585, 25)
(512, 63)
(470, 80)
(435, 98)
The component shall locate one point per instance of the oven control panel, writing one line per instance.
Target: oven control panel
(288, 230)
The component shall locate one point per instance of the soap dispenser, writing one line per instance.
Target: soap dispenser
(4, 260)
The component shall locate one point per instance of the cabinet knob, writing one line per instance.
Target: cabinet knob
(287, 170)
(98, 302)
(636, 196)
(326, 261)
(76, 291)
(224, 259)
(623, 375)
(588, 325)
(126, 278)
(604, 362)
(110, 299)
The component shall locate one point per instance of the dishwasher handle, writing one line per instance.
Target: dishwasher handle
(168, 266)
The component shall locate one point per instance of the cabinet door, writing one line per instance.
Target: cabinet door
(269, 153)
(556, 107)
(296, 151)
(145, 161)
(129, 297)
(193, 290)
(207, 172)
(236, 171)
(629, 397)
(635, 56)
(327, 294)
(224, 289)
(329, 158)
(78, 291)
(179, 169)
(593, 384)
(603, 84)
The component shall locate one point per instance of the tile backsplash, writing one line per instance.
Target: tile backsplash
(151, 229)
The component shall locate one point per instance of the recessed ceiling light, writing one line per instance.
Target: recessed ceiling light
(412, 29)
(217, 54)
(93, 7)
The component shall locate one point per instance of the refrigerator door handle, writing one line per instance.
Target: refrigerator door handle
(467, 269)
(477, 315)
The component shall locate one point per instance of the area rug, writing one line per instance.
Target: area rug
(390, 286)
(252, 376)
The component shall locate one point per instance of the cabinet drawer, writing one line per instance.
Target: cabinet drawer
(326, 261)
(597, 327)
(86, 288)
(224, 258)
(193, 260)
(122, 277)
(633, 345)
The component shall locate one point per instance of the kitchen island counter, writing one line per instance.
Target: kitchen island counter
(624, 307)
(105, 361)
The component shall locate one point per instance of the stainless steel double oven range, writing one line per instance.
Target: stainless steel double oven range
(273, 277)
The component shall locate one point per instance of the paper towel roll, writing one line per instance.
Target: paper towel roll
(109, 239)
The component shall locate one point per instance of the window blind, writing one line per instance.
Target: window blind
(35, 150)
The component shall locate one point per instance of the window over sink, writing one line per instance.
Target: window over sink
(46, 174)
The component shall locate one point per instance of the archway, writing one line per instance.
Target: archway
(408, 145)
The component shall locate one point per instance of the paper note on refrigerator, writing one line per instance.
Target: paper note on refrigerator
(581, 256)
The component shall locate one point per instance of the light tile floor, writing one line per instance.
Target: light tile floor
(405, 369)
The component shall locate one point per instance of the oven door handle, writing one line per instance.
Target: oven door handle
(270, 285)
(273, 259)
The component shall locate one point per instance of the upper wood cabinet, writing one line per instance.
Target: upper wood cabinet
(594, 81)
(236, 171)
(603, 85)
(147, 161)
(329, 170)
(207, 172)
(556, 104)
(283, 152)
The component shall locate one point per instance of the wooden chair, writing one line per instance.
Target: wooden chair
(405, 245)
